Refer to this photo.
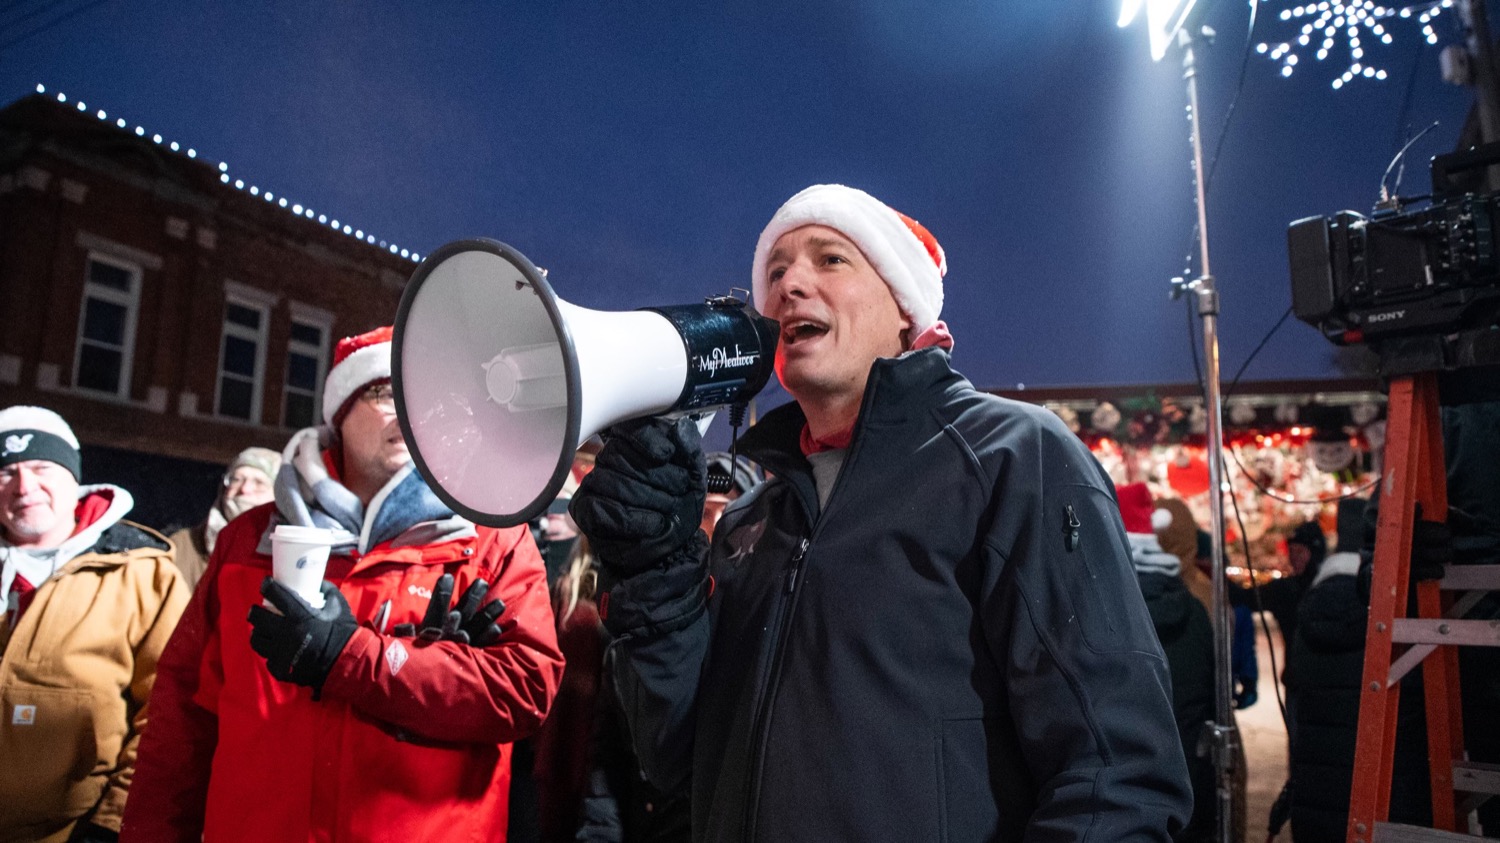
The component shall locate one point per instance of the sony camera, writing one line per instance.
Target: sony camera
(1423, 282)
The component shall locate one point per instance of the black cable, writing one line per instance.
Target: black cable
(1262, 344)
(1402, 130)
(52, 23)
(1233, 100)
(1260, 610)
(1193, 347)
(1213, 162)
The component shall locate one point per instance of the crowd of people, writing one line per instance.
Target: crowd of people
(919, 611)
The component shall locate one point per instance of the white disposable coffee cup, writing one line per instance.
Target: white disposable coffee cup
(299, 556)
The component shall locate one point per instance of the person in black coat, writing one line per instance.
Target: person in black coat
(1187, 637)
(1324, 671)
(924, 626)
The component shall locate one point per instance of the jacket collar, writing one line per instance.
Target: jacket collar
(37, 565)
(897, 390)
(405, 511)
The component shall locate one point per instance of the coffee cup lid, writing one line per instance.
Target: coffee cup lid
(309, 535)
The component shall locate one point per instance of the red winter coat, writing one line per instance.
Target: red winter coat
(409, 742)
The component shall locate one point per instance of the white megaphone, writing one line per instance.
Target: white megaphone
(498, 381)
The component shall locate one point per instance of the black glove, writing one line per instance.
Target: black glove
(467, 623)
(644, 499)
(301, 644)
(1431, 548)
(87, 832)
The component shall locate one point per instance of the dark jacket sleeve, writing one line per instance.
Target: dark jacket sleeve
(1087, 682)
(660, 624)
(447, 691)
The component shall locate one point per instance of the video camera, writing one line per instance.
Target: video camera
(1421, 287)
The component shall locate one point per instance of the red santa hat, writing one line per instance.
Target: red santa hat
(358, 361)
(906, 255)
(1139, 511)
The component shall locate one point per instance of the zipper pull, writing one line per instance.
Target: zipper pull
(1070, 540)
(791, 571)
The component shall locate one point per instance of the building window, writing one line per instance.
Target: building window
(106, 326)
(242, 358)
(305, 369)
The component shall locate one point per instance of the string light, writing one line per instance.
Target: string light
(239, 184)
(1359, 24)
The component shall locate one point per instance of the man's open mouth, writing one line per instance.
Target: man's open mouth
(800, 330)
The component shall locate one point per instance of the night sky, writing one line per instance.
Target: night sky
(635, 149)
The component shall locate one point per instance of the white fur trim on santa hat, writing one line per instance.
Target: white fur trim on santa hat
(353, 373)
(22, 417)
(896, 253)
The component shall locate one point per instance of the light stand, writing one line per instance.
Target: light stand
(1166, 20)
(1222, 730)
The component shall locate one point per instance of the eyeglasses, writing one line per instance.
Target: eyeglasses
(247, 481)
(382, 395)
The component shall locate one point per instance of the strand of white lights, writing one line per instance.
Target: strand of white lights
(239, 184)
(1357, 23)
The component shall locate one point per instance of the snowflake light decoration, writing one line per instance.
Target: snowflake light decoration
(1356, 23)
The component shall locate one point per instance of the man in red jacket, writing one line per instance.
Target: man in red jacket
(340, 723)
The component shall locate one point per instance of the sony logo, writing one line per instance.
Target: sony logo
(1385, 317)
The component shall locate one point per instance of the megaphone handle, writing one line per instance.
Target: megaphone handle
(721, 484)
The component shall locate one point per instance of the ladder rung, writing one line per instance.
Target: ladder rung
(1397, 833)
(1476, 777)
(1469, 633)
(1470, 578)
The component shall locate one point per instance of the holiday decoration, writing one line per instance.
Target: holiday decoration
(254, 190)
(1351, 24)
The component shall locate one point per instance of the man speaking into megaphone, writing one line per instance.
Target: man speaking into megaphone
(924, 625)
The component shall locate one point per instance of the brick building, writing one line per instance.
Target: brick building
(173, 314)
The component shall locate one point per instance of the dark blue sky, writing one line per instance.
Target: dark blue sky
(636, 149)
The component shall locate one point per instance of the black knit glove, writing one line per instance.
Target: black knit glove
(644, 499)
(467, 623)
(301, 644)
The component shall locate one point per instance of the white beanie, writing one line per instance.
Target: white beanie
(906, 255)
(37, 433)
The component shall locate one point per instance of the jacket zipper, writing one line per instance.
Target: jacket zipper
(773, 680)
(783, 625)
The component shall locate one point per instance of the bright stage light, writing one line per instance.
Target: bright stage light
(1163, 19)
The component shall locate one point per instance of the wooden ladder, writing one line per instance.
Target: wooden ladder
(1415, 473)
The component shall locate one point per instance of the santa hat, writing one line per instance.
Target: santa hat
(906, 255)
(357, 362)
(36, 433)
(1139, 512)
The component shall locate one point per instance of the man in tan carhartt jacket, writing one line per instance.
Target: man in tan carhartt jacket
(90, 601)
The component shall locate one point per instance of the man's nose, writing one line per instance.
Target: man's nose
(25, 480)
(796, 281)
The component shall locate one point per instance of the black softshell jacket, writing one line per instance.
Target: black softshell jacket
(955, 649)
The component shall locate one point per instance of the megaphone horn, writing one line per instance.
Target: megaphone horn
(498, 380)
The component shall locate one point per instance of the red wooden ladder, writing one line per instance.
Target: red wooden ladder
(1415, 473)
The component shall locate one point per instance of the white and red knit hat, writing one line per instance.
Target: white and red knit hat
(1139, 511)
(905, 254)
(358, 361)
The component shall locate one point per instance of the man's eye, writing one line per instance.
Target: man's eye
(775, 274)
(834, 259)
